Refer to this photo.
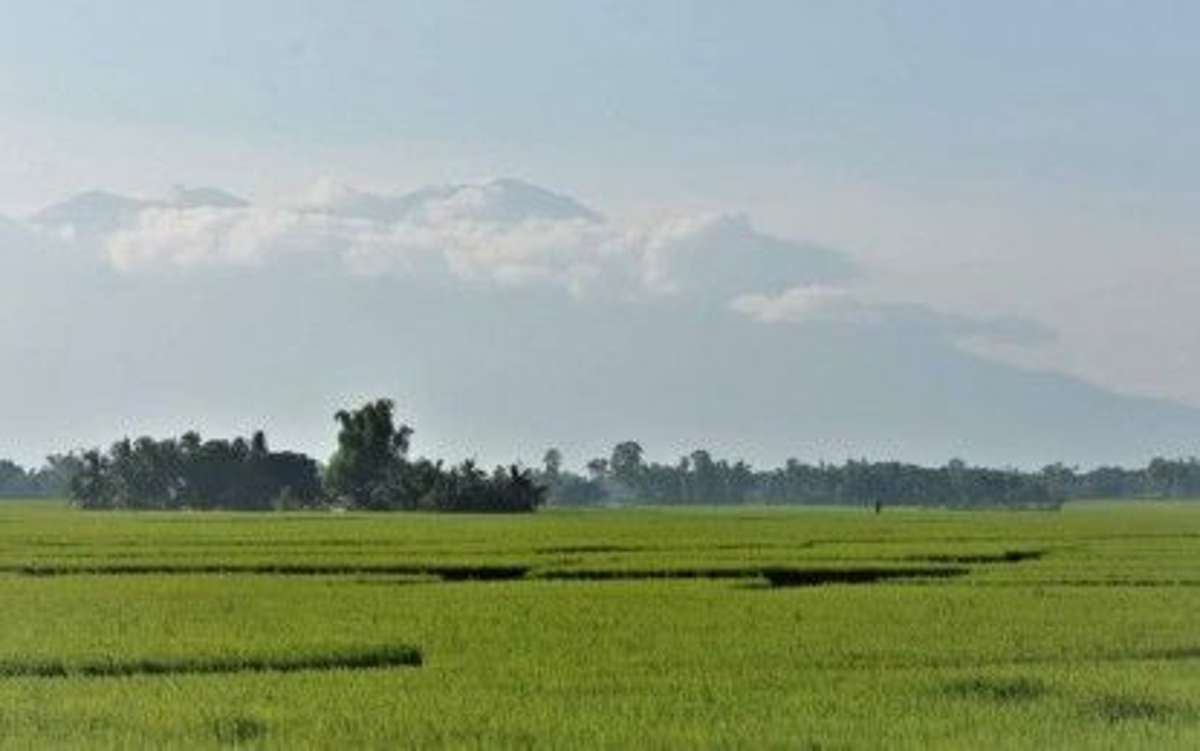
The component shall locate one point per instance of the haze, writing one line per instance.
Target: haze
(909, 231)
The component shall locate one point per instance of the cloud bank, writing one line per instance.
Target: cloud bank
(503, 232)
(516, 317)
(506, 233)
(818, 304)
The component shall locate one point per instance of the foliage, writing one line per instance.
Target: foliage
(190, 472)
(370, 450)
(53, 480)
(698, 478)
(371, 470)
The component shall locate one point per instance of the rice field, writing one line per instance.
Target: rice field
(648, 628)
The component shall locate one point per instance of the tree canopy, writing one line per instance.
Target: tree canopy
(372, 469)
(190, 472)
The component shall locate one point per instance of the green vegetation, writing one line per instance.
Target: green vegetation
(372, 470)
(197, 474)
(50, 481)
(751, 627)
(699, 478)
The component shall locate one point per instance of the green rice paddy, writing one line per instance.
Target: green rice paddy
(658, 628)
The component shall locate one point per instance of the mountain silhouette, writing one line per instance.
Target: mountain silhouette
(93, 353)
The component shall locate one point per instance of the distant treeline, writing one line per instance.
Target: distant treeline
(190, 472)
(371, 469)
(53, 480)
(698, 478)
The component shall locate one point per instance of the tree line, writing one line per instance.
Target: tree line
(372, 469)
(698, 478)
(52, 480)
(190, 472)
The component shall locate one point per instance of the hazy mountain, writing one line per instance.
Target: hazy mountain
(92, 213)
(97, 212)
(503, 370)
(10, 232)
(502, 200)
(190, 198)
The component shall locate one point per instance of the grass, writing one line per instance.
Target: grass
(610, 629)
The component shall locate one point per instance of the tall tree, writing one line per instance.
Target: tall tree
(371, 452)
(627, 466)
(552, 465)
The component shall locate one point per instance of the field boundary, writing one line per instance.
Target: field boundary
(387, 656)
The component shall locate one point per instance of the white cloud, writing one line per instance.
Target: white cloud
(839, 305)
(803, 304)
(512, 234)
(503, 232)
(673, 243)
(207, 236)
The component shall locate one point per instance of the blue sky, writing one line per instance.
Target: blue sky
(1049, 90)
(1028, 161)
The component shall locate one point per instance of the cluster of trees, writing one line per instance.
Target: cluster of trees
(625, 476)
(190, 472)
(1161, 478)
(53, 480)
(371, 469)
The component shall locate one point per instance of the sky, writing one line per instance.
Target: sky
(971, 202)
